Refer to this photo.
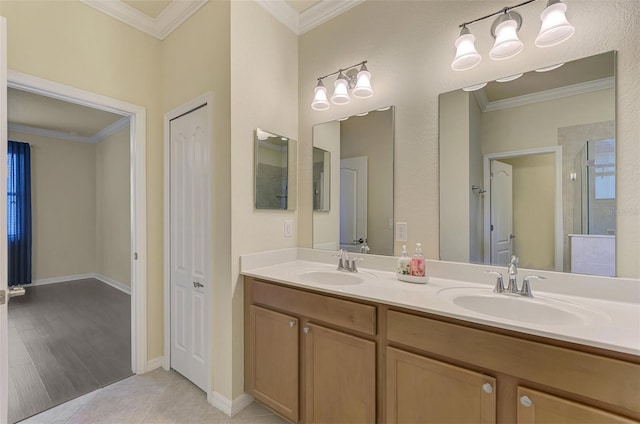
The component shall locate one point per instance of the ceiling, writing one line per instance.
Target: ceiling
(46, 116)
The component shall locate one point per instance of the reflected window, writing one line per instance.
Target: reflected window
(605, 169)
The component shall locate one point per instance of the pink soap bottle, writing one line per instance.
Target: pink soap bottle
(417, 262)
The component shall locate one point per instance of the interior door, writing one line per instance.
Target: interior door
(4, 347)
(190, 278)
(353, 202)
(501, 213)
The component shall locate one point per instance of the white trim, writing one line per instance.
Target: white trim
(138, 215)
(322, 12)
(94, 139)
(4, 342)
(307, 20)
(63, 279)
(113, 283)
(283, 12)
(228, 406)
(558, 230)
(543, 96)
(154, 364)
(159, 27)
(205, 99)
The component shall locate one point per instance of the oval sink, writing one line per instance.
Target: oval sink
(332, 278)
(519, 309)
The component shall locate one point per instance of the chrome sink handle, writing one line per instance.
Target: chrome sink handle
(499, 288)
(526, 287)
(354, 267)
(340, 256)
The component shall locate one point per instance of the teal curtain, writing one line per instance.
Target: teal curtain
(19, 213)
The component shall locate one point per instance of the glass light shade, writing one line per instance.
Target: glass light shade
(507, 43)
(341, 91)
(555, 27)
(475, 87)
(320, 101)
(466, 54)
(363, 89)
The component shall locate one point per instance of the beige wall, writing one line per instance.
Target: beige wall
(63, 182)
(372, 136)
(410, 66)
(71, 43)
(113, 207)
(534, 183)
(326, 224)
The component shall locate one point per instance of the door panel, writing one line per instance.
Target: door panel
(501, 213)
(190, 182)
(353, 201)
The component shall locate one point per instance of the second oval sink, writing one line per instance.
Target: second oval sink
(332, 278)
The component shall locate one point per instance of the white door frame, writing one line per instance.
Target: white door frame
(205, 99)
(138, 191)
(4, 327)
(559, 233)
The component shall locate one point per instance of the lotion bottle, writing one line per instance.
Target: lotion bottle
(404, 262)
(417, 262)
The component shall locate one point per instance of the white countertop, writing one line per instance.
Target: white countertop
(611, 322)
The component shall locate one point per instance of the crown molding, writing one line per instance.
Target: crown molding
(310, 18)
(542, 96)
(160, 27)
(323, 12)
(94, 139)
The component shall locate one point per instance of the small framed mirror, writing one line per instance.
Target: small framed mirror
(275, 162)
(321, 180)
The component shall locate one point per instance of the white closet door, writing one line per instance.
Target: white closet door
(190, 245)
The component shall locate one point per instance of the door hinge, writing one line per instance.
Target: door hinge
(3, 297)
(135, 256)
(491, 227)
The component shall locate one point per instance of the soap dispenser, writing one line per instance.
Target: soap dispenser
(404, 262)
(417, 262)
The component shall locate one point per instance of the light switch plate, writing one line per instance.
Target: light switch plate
(288, 228)
(401, 231)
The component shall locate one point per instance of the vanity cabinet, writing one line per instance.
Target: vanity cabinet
(309, 357)
(423, 390)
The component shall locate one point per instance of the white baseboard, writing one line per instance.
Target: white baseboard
(228, 406)
(154, 363)
(63, 279)
(113, 283)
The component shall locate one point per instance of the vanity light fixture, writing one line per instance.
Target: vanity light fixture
(475, 87)
(549, 68)
(350, 78)
(509, 78)
(554, 30)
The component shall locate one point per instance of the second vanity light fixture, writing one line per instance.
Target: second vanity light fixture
(350, 78)
(554, 30)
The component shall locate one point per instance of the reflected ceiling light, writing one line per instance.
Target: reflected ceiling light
(554, 30)
(362, 114)
(343, 119)
(505, 30)
(509, 78)
(320, 101)
(549, 68)
(466, 54)
(555, 27)
(358, 81)
(382, 109)
(475, 87)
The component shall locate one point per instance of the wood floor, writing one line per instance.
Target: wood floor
(65, 340)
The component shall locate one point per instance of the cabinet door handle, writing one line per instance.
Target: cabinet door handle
(526, 402)
(306, 330)
(487, 388)
(292, 323)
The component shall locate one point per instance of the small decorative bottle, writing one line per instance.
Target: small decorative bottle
(417, 262)
(404, 262)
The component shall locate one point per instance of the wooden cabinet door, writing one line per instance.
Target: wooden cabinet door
(340, 372)
(422, 390)
(273, 360)
(536, 407)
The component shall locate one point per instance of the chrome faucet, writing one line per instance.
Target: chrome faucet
(512, 288)
(513, 275)
(344, 263)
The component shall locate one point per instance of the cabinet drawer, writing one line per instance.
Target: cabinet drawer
(609, 380)
(343, 313)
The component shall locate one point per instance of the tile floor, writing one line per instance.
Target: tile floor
(161, 397)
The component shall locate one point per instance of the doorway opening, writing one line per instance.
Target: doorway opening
(118, 308)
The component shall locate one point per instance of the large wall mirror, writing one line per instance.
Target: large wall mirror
(353, 183)
(275, 171)
(527, 168)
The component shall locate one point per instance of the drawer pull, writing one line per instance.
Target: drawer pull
(487, 388)
(526, 402)
(306, 330)
(292, 323)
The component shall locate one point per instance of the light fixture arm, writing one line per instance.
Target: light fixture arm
(501, 11)
(342, 70)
